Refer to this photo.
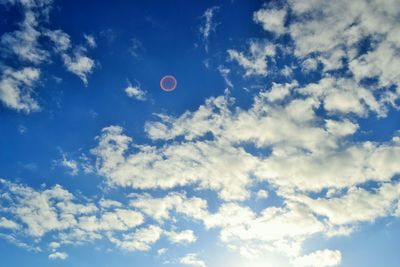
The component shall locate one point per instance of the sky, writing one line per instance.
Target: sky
(279, 146)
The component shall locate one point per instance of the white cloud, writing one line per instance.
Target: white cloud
(272, 20)
(69, 164)
(225, 73)
(256, 62)
(58, 256)
(24, 42)
(8, 224)
(309, 64)
(332, 31)
(54, 245)
(280, 91)
(25, 47)
(357, 205)
(183, 237)
(295, 134)
(136, 92)
(213, 165)
(208, 25)
(16, 88)
(108, 203)
(79, 64)
(60, 39)
(57, 210)
(262, 194)
(303, 134)
(140, 240)
(320, 258)
(90, 40)
(162, 251)
(192, 259)
(344, 96)
(159, 208)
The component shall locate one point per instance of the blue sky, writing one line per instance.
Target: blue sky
(278, 147)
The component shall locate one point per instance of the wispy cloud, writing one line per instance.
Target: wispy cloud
(208, 26)
(134, 91)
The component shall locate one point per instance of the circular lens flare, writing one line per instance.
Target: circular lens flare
(168, 83)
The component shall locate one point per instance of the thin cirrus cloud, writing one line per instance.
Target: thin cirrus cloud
(208, 25)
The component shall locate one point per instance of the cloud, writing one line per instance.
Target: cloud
(225, 73)
(256, 62)
(26, 47)
(357, 205)
(90, 40)
(54, 245)
(16, 88)
(262, 194)
(300, 138)
(306, 154)
(191, 259)
(162, 251)
(213, 165)
(57, 210)
(332, 31)
(280, 91)
(136, 48)
(320, 258)
(79, 64)
(24, 42)
(58, 256)
(69, 164)
(272, 20)
(184, 237)
(136, 92)
(60, 39)
(208, 25)
(8, 224)
(140, 240)
(76, 62)
(159, 208)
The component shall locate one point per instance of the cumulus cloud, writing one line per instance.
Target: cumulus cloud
(58, 256)
(79, 64)
(192, 259)
(136, 92)
(69, 164)
(296, 136)
(272, 20)
(333, 31)
(255, 61)
(320, 258)
(183, 237)
(299, 138)
(16, 88)
(140, 240)
(55, 217)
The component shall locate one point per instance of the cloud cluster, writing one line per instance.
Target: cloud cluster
(72, 219)
(300, 154)
(27, 45)
(297, 140)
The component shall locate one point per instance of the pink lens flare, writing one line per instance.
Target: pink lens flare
(168, 83)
